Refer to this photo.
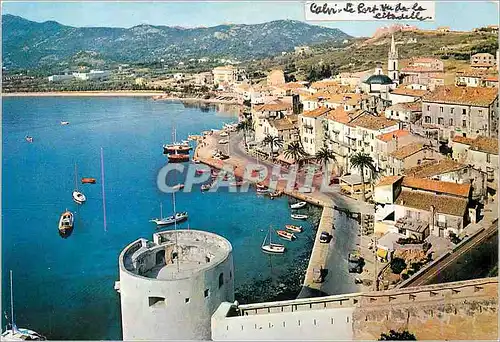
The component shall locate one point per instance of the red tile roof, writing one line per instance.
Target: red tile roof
(388, 180)
(450, 188)
(443, 204)
(395, 134)
(432, 169)
(373, 122)
(480, 143)
(315, 113)
(462, 95)
(408, 150)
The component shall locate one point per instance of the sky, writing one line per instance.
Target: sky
(457, 15)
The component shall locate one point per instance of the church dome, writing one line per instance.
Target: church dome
(379, 79)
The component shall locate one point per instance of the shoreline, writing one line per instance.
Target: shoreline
(197, 99)
(82, 93)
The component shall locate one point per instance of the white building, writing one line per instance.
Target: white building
(224, 74)
(92, 75)
(311, 128)
(58, 78)
(170, 287)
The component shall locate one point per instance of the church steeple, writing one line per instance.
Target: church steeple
(392, 62)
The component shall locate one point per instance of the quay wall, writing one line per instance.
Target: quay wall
(448, 311)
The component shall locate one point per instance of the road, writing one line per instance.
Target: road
(433, 273)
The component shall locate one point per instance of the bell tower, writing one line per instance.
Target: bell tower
(392, 62)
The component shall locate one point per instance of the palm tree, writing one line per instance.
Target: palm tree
(272, 141)
(245, 126)
(362, 161)
(324, 155)
(295, 151)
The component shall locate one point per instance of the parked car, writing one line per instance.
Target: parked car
(355, 267)
(325, 237)
(335, 180)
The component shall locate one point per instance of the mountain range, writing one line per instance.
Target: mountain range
(29, 44)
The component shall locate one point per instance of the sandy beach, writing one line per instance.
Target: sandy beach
(86, 93)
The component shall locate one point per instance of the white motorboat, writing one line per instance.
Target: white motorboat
(178, 187)
(78, 196)
(63, 123)
(29, 139)
(206, 187)
(298, 205)
(223, 141)
(271, 247)
(299, 216)
(15, 333)
(224, 134)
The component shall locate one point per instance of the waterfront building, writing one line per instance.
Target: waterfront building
(312, 128)
(452, 110)
(204, 79)
(224, 74)
(92, 75)
(363, 132)
(170, 287)
(264, 115)
(416, 206)
(276, 78)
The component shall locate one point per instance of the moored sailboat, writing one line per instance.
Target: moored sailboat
(78, 196)
(15, 333)
(271, 247)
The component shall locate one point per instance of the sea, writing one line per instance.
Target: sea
(64, 287)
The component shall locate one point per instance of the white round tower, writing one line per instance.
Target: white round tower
(170, 287)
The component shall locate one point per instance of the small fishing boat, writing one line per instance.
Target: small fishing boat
(298, 205)
(177, 158)
(206, 187)
(176, 148)
(196, 161)
(275, 194)
(178, 187)
(78, 196)
(88, 180)
(214, 173)
(224, 134)
(299, 216)
(262, 191)
(29, 139)
(295, 229)
(285, 235)
(66, 221)
(223, 141)
(271, 247)
(63, 123)
(15, 333)
(260, 186)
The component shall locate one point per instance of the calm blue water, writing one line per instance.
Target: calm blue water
(63, 288)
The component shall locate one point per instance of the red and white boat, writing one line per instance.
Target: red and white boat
(177, 158)
(88, 180)
(285, 235)
(295, 229)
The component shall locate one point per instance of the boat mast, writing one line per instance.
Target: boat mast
(76, 178)
(175, 228)
(102, 187)
(11, 303)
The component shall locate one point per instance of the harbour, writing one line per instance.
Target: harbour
(82, 267)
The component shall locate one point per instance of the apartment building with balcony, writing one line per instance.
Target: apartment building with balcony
(312, 129)
(408, 156)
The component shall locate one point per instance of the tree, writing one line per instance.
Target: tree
(397, 265)
(245, 126)
(397, 336)
(295, 151)
(272, 141)
(363, 161)
(324, 155)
